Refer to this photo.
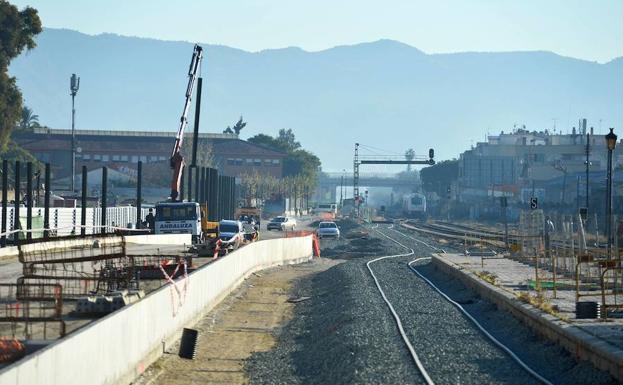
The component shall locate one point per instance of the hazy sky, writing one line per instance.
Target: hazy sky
(578, 28)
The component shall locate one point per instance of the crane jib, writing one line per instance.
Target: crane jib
(177, 160)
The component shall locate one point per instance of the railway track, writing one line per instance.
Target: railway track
(414, 345)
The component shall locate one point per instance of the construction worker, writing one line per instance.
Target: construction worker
(150, 220)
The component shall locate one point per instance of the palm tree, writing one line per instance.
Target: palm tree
(29, 120)
(409, 156)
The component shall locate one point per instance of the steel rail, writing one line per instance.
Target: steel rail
(506, 349)
(410, 347)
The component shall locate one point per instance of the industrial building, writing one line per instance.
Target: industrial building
(121, 151)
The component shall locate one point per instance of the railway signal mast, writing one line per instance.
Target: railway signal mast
(380, 159)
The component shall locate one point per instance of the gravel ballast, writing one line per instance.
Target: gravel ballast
(345, 333)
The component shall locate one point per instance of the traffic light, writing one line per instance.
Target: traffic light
(431, 153)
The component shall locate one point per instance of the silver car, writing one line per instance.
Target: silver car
(328, 230)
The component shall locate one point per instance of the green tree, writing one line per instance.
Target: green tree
(266, 141)
(287, 140)
(439, 176)
(29, 119)
(298, 163)
(17, 31)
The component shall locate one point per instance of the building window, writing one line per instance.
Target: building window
(258, 162)
(275, 161)
(143, 158)
(153, 158)
(124, 158)
(105, 158)
(231, 161)
(115, 158)
(86, 157)
(134, 158)
(267, 162)
(238, 162)
(161, 158)
(97, 157)
(249, 161)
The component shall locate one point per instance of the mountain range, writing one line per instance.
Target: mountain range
(385, 94)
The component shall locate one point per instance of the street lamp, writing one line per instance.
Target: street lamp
(342, 180)
(74, 85)
(611, 141)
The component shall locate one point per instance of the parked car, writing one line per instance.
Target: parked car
(328, 230)
(281, 223)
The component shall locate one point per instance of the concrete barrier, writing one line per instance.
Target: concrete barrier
(160, 239)
(49, 248)
(8, 252)
(578, 342)
(119, 347)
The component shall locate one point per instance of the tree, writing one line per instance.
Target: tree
(409, 156)
(266, 141)
(287, 140)
(298, 163)
(18, 29)
(239, 126)
(28, 120)
(205, 155)
(439, 176)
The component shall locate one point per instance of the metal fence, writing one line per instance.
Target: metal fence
(66, 221)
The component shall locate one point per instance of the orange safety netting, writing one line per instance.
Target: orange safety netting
(11, 349)
(304, 233)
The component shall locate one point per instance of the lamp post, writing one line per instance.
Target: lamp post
(611, 141)
(74, 85)
(342, 187)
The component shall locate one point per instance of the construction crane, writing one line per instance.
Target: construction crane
(177, 160)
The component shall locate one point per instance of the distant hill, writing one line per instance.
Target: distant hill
(385, 93)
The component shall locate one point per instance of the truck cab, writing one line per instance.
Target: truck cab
(178, 218)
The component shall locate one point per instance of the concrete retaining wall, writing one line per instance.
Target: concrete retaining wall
(8, 252)
(160, 239)
(119, 347)
(578, 342)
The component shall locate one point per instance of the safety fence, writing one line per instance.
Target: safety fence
(66, 221)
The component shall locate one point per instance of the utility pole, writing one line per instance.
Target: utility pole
(611, 140)
(341, 189)
(74, 85)
(588, 164)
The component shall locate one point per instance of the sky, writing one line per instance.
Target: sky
(577, 28)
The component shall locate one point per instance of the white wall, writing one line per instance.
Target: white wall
(117, 348)
(66, 220)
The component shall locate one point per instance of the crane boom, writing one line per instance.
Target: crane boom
(177, 160)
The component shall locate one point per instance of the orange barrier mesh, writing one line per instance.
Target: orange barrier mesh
(298, 233)
(11, 350)
(304, 233)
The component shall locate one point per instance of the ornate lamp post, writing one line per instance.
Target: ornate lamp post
(611, 141)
